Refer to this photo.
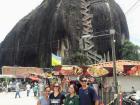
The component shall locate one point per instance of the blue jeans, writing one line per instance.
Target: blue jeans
(28, 91)
(17, 94)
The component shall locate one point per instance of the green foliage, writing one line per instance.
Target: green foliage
(76, 58)
(130, 51)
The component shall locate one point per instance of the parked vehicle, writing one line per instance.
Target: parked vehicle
(131, 98)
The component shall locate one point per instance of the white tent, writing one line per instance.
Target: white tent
(7, 76)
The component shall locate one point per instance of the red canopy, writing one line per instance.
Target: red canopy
(68, 70)
(134, 70)
(85, 72)
(34, 78)
(81, 70)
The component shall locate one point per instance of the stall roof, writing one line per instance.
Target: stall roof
(21, 71)
(7, 76)
(119, 64)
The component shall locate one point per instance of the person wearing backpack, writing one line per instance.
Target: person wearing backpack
(72, 98)
(87, 94)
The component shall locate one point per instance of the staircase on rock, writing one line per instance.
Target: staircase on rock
(86, 41)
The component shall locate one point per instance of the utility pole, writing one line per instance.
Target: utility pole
(112, 33)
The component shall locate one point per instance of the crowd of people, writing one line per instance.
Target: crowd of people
(71, 94)
(63, 90)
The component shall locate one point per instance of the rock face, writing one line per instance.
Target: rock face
(56, 25)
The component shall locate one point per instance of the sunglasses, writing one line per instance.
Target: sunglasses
(83, 80)
(48, 91)
(56, 86)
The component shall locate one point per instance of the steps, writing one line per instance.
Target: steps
(87, 43)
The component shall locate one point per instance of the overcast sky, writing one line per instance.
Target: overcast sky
(11, 11)
(131, 9)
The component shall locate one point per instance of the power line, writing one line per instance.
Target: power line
(132, 7)
(101, 35)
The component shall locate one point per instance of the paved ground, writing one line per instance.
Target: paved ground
(9, 99)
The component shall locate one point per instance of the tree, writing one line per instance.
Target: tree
(130, 51)
(76, 58)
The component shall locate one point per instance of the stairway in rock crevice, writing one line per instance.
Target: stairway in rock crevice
(87, 42)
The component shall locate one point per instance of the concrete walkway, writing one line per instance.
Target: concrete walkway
(9, 99)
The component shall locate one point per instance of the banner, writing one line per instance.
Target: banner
(55, 60)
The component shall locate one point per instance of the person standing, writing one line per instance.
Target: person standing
(87, 94)
(28, 88)
(133, 90)
(17, 87)
(10, 86)
(56, 98)
(44, 100)
(93, 84)
(72, 98)
(40, 88)
(65, 84)
(35, 89)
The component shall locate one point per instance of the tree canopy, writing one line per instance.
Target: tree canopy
(77, 58)
(130, 51)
